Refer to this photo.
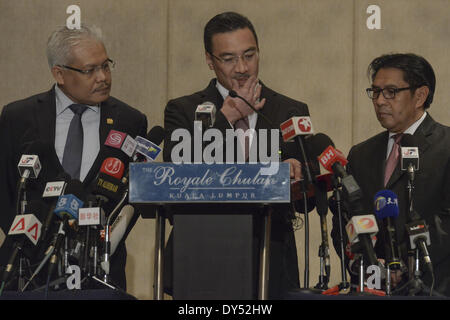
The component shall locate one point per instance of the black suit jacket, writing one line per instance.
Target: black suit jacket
(33, 119)
(431, 194)
(180, 113)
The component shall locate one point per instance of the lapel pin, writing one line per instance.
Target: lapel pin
(109, 121)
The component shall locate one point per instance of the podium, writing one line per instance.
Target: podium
(216, 210)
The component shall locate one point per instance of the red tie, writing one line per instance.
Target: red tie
(243, 124)
(392, 160)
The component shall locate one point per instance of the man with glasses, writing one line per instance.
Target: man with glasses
(402, 91)
(232, 52)
(74, 119)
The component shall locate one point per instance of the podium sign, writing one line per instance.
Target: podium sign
(207, 183)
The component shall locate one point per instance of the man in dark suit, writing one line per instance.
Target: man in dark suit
(82, 70)
(232, 52)
(402, 90)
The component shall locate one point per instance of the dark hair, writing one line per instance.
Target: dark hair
(225, 22)
(417, 71)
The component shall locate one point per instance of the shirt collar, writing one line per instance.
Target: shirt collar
(63, 102)
(222, 90)
(413, 127)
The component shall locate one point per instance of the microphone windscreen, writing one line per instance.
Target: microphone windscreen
(293, 112)
(63, 176)
(321, 198)
(76, 188)
(318, 143)
(386, 204)
(299, 205)
(408, 140)
(156, 135)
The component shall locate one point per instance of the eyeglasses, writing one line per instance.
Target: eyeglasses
(107, 66)
(388, 93)
(232, 60)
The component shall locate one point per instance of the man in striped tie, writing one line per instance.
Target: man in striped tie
(402, 91)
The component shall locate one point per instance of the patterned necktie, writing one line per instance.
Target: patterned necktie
(244, 125)
(392, 160)
(73, 149)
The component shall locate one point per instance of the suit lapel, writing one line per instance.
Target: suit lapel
(211, 94)
(45, 115)
(378, 158)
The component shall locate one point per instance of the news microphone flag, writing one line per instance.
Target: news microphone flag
(122, 141)
(409, 155)
(28, 225)
(113, 167)
(67, 206)
(296, 126)
(330, 156)
(362, 224)
(30, 163)
(54, 189)
(147, 148)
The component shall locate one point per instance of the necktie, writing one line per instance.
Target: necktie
(73, 149)
(392, 160)
(244, 125)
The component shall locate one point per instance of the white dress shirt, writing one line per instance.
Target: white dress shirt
(91, 131)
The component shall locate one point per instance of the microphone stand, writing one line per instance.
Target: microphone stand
(338, 196)
(344, 284)
(415, 285)
(323, 277)
(105, 264)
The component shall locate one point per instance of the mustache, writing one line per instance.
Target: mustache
(101, 88)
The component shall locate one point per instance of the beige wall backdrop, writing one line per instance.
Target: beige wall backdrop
(316, 51)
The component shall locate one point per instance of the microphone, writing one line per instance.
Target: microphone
(419, 237)
(149, 146)
(121, 141)
(234, 94)
(206, 113)
(51, 193)
(297, 127)
(108, 186)
(113, 167)
(66, 209)
(120, 225)
(29, 167)
(24, 227)
(386, 208)
(333, 160)
(409, 155)
(361, 230)
(322, 210)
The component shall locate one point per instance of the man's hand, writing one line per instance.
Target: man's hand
(234, 108)
(295, 168)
